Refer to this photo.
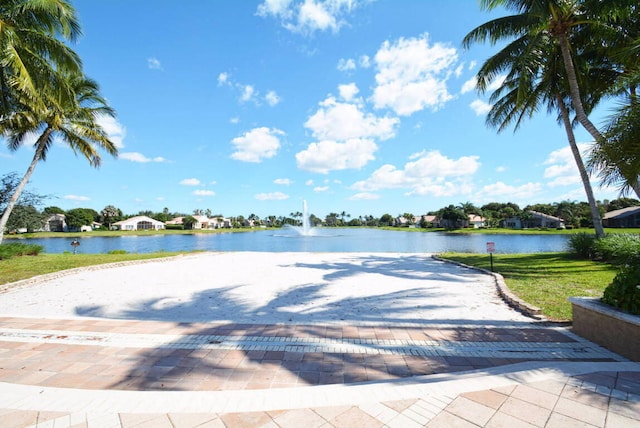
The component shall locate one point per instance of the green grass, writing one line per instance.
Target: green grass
(545, 280)
(23, 267)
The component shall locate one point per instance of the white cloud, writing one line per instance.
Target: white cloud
(348, 91)
(346, 64)
(140, 158)
(364, 61)
(275, 196)
(309, 182)
(76, 198)
(469, 85)
(308, 16)
(257, 144)
(412, 75)
(114, 129)
(342, 121)
(190, 182)
(499, 190)
(329, 155)
(204, 193)
(234, 120)
(427, 173)
(272, 98)
(154, 64)
(248, 91)
(223, 79)
(496, 83)
(480, 107)
(320, 189)
(562, 169)
(283, 181)
(364, 196)
(501, 169)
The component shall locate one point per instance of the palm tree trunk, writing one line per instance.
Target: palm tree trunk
(595, 212)
(574, 89)
(16, 194)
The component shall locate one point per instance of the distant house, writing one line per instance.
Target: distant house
(625, 217)
(429, 221)
(532, 220)
(476, 221)
(55, 223)
(140, 222)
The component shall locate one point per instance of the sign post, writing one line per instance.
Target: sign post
(491, 248)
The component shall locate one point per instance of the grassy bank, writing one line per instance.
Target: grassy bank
(545, 280)
(508, 231)
(24, 267)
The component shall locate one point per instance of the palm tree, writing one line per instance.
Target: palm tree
(536, 75)
(33, 54)
(74, 121)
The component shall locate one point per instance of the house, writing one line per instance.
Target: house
(140, 222)
(55, 223)
(476, 221)
(429, 221)
(532, 220)
(204, 222)
(625, 217)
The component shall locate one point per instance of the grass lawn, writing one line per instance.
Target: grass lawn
(23, 267)
(545, 280)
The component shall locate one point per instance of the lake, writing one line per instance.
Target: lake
(323, 240)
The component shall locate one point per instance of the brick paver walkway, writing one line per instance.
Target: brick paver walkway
(58, 356)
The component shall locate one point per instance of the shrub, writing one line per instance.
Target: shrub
(617, 248)
(581, 245)
(15, 249)
(624, 290)
(117, 252)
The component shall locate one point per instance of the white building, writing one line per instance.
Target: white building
(140, 222)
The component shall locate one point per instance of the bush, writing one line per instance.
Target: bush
(624, 290)
(581, 245)
(15, 249)
(117, 252)
(619, 248)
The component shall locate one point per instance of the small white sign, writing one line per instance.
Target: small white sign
(491, 247)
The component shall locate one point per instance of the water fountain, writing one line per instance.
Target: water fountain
(306, 226)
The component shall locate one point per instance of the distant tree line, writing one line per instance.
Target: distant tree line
(26, 214)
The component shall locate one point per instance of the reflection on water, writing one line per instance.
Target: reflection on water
(324, 240)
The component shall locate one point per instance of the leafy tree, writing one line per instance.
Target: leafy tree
(78, 217)
(8, 185)
(189, 222)
(453, 217)
(386, 220)
(25, 217)
(620, 203)
(109, 215)
(409, 217)
(332, 219)
(74, 122)
(53, 210)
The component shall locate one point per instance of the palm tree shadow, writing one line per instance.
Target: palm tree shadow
(306, 309)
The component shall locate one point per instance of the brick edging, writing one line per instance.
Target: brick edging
(503, 291)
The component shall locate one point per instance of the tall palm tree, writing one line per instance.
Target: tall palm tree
(74, 121)
(33, 53)
(617, 159)
(535, 77)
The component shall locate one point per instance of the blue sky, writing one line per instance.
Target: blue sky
(248, 107)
